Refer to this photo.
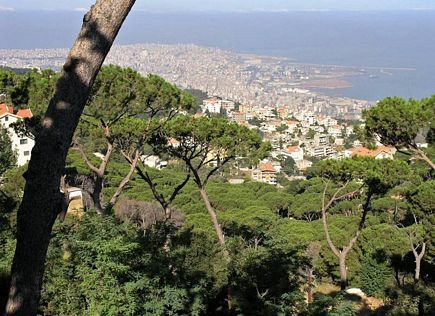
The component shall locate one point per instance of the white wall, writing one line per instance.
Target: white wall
(22, 145)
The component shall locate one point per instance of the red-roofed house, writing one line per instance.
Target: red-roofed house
(381, 152)
(265, 173)
(24, 113)
(296, 152)
(4, 108)
(21, 144)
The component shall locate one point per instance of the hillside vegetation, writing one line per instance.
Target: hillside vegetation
(183, 241)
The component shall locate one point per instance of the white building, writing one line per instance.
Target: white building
(321, 151)
(265, 172)
(321, 139)
(228, 105)
(303, 164)
(153, 161)
(296, 152)
(21, 144)
(335, 130)
(212, 105)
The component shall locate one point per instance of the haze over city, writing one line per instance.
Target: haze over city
(230, 5)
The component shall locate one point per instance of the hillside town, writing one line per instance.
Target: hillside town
(248, 79)
(301, 137)
(298, 139)
(272, 95)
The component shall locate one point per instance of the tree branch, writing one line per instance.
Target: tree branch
(79, 148)
(178, 189)
(421, 155)
(126, 179)
(216, 169)
(325, 224)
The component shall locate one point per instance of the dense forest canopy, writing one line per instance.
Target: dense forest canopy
(183, 241)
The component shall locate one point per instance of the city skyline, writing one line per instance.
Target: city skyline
(228, 5)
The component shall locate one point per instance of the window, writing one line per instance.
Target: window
(6, 118)
(26, 153)
(23, 141)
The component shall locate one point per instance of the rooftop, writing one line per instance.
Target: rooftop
(7, 109)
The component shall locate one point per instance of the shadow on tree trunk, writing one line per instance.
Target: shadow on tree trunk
(42, 197)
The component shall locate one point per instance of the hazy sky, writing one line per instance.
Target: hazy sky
(228, 5)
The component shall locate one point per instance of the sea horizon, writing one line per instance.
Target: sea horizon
(363, 39)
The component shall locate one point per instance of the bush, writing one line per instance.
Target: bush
(375, 274)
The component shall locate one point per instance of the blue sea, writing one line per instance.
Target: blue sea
(394, 39)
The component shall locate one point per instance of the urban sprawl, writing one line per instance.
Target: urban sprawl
(271, 94)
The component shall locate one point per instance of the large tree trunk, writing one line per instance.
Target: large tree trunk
(417, 269)
(42, 199)
(418, 257)
(96, 194)
(343, 271)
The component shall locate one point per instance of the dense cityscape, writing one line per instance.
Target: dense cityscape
(248, 79)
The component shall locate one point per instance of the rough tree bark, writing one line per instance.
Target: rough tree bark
(42, 198)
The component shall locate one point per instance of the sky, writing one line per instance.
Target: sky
(228, 5)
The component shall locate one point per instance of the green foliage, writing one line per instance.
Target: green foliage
(31, 89)
(260, 290)
(255, 121)
(375, 274)
(8, 157)
(288, 165)
(12, 189)
(281, 128)
(102, 266)
(396, 121)
(345, 308)
(411, 300)
(306, 206)
(311, 133)
(250, 224)
(40, 90)
(95, 259)
(385, 238)
(379, 175)
(337, 305)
